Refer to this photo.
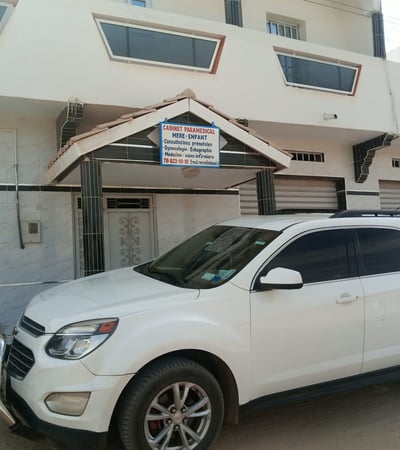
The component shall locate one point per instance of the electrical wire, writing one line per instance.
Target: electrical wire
(342, 7)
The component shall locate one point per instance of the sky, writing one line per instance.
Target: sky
(391, 13)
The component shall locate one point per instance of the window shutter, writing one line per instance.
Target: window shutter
(233, 12)
(379, 35)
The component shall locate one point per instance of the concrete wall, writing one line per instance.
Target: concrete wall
(54, 62)
(52, 258)
(322, 20)
(181, 216)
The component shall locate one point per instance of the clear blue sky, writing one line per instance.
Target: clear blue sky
(391, 13)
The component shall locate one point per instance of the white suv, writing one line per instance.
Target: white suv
(259, 309)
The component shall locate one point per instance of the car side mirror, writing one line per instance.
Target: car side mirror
(281, 278)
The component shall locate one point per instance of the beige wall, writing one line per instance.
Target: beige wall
(54, 62)
(181, 216)
(326, 23)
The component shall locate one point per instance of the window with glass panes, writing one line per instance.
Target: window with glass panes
(283, 29)
(130, 42)
(138, 3)
(5, 11)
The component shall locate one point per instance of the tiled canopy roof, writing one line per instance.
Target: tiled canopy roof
(281, 158)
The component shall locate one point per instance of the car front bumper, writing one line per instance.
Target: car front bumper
(23, 410)
(5, 414)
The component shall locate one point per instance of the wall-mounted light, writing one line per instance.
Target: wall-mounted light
(328, 116)
(190, 172)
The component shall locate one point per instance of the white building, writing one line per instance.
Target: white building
(394, 55)
(82, 188)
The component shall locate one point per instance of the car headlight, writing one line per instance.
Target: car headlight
(77, 340)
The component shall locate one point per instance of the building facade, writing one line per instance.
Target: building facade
(304, 100)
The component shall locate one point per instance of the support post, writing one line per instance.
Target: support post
(92, 214)
(266, 192)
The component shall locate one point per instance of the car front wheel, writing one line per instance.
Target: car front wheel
(173, 404)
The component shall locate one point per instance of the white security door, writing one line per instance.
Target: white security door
(128, 232)
(313, 334)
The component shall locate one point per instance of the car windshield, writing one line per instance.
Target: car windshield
(210, 258)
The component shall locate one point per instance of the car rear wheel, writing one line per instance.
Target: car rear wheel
(173, 404)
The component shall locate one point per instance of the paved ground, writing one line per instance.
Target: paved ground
(363, 420)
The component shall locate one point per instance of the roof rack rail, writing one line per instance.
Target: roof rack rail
(366, 213)
(302, 211)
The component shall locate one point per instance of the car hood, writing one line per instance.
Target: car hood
(115, 293)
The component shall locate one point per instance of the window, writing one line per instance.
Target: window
(318, 256)
(5, 12)
(312, 73)
(141, 3)
(283, 29)
(210, 258)
(233, 12)
(396, 163)
(169, 48)
(380, 250)
(307, 156)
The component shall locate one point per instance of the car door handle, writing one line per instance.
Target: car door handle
(346, 298)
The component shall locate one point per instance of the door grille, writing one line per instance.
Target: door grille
(128, 203)
(123, 203)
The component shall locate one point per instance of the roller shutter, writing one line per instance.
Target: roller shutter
(292, 193)
(389, 194)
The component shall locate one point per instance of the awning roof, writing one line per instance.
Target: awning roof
(129, 124)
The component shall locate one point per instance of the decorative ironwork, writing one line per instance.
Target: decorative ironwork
(130, 240)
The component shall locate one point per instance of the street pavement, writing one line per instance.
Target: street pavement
(368, 419)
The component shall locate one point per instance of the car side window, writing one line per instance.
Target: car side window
(318, 256)
(379, 249)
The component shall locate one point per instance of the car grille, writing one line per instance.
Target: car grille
(32, 327)
(20, 360)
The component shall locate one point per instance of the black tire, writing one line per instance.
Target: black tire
(198, 406)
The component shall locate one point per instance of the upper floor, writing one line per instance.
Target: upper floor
(304, 62)
(346, 25)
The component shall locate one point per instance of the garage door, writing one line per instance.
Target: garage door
(390, 194)
(292, 193)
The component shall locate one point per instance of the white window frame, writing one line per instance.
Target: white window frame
(278, 23)
(210, 69)
(355, 67)
(7, 14)
(396, 163)
(147, 3)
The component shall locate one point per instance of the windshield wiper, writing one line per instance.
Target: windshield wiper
(168, 277)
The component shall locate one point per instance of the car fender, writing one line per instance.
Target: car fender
(224, 332)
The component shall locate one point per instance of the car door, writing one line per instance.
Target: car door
(380, 277)
(312, 334)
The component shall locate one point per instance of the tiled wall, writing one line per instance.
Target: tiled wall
(49, 261)
(181, 216)
(52, 258)
(176, 216)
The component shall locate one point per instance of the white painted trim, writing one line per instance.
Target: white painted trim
(172, 32)
(110, 135)
(262, 147)
(137, 124)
